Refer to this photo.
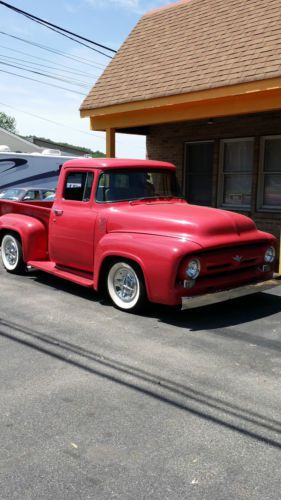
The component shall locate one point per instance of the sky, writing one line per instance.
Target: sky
(36, 106)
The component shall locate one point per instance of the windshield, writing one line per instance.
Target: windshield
(129, 185)
(11, 194)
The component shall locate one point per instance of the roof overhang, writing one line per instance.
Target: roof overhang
(250, 97)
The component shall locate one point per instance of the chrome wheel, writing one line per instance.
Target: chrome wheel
(124, 286)
(11, 253)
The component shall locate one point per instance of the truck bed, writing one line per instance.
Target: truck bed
(38, 209)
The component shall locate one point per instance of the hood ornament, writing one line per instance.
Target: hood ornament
(238, 258)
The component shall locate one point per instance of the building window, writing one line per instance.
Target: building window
(236, 167)
(269, 193)
(199, 172)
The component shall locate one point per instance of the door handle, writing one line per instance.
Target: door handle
(58, 211)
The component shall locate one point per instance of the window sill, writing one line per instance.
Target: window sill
(235, 208)
(270, 210)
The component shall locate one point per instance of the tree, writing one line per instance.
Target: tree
(7, 122)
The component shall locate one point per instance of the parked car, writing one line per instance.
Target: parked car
(26, 193)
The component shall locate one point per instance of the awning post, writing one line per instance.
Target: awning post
(110, 143)
(279, 270)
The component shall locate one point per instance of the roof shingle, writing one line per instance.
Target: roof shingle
(193, 45)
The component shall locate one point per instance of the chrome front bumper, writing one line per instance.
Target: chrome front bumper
(241, 291)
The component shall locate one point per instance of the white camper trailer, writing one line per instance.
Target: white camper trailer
(35, 169)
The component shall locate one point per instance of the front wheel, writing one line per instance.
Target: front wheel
(126, 287)
(11, 254)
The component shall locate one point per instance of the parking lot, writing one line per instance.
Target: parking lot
(99, 404)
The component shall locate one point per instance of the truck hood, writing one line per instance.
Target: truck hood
(176, 218)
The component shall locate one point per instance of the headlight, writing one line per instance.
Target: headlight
(193, 269)
(269, 255)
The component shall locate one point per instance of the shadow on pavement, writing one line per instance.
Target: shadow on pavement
(215, 319)
(63, 285)
(227, 414)
(234, 312)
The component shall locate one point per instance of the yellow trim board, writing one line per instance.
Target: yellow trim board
(233, 105)
(215, 93)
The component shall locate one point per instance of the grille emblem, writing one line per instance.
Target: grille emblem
(238, 258)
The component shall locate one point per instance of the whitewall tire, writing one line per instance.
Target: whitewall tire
(11, 254)
(125, 286)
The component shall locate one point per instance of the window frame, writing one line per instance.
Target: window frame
(78, 171)
(185, 170)
(222, 174)
(261, 207)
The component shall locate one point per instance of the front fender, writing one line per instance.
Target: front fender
(158, 256)
(32, 232)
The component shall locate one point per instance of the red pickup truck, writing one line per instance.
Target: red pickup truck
(122, 226)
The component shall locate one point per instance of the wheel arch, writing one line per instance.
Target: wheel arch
(32, 234)
(4, 231)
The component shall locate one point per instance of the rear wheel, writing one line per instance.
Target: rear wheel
(11, 254)
(125, 286)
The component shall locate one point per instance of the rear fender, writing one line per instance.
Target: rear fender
(158, 257)
(32, 232)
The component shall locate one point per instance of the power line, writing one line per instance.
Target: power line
(58, 29)
(70, 38)
(97, 65)
(59, 68)
(52, 121)
(61, 124)
(26, 67)
(43, 83)
(61, 53)
(46, 75)
(55, 76)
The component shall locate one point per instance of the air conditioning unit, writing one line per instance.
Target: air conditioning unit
(51, 152)
(4, 149)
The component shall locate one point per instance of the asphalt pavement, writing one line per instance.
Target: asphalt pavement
(99, 404)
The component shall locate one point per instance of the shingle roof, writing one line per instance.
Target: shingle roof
(193, 45)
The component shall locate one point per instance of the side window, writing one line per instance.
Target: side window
(78, 186)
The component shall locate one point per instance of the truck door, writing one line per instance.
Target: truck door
(72, 223)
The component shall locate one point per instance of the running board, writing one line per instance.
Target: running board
(50, 267)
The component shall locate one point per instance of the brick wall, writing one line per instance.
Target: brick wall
(166, 143)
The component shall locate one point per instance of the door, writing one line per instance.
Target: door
(72, 223)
